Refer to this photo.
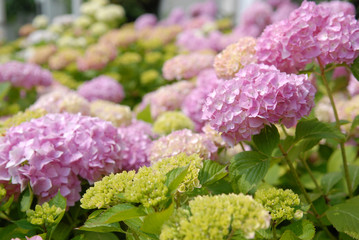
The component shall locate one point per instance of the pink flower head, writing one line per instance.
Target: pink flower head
(102, 87)
(339, 6)
(283, 11)
(353, 86)
(122, 37)
(145, 21)
(258, 95)
(176, 16)
(52, 151)
(166, 98)
(186, 66)
(193, 40)
(208, 8)
(97, 57)
(136, 139)
(26, 75)
(182, 141)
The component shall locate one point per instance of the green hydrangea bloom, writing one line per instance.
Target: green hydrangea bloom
(128, 58)
(282, 204)
(21, 117)
(43, 215)
(65, 79)
(211, 217)
(195, 163)
(149, 76)
(2, 192)
(118, 115)
(105, 193)
(153, 57)
(148, 187)
(171, 121)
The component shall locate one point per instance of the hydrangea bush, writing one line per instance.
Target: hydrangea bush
(223, 131)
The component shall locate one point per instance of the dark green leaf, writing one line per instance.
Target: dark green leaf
(313, 128)
(175, 177)
(62, 232)
(303, 229)
(355, 68)
(99, 236)
(26, 199)
(92, 227)
(4, 88)
(335, 161)
(329, 180)
(7, 204)
(267, 140)
(289, 235)
(308, 144)
(211, 172)
(345, 216)
(153, 222)
(58, 201)
(354, 176)
(145, 115)
(120, 212)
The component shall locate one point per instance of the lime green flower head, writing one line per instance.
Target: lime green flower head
(172, 121)
(282, 204)
(65, 79)
(2, 192)
(153, 57)
(44, 214)
(148, 187)
(149, 76)
(118, 115)
(212, 217)
(191, 179)
(105, 193)
(128, 58)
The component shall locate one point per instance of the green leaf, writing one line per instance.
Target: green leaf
(335, 161)
(175, 177)
(26, 199)
(62, 231)
(264, 233)
(6, 205)
(113, 227)
(59, 201)
(289, 235)
(249, 166)
(313, 128)
(267, 140)
(329, 180)
(355, 68)
(145, 115)
(354, 125)
(345, 216)
(211, 172)
(354, 176)
(4, 88)
(153, 222)
(99, 236)
(303, 229)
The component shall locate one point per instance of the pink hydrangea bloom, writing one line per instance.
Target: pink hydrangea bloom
(26, 75)
(353, 86)
(37, 237)
(166, 98)
(52, 151)
(136, 139)
(258, 95)
(145, 21)
(208, 8)
(176, 16)
(97, 56)
(186, 66)
(340, 6)
(182, 141)
(283, 11)
(192, 105)
(339, 40)
(193, 40)
(102, 87)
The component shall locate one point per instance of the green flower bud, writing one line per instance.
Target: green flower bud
(281, 204)
(2, 192)
(149, 76)
(44, 214)
(172, 121)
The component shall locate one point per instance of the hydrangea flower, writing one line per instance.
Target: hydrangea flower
(118, 115)
(122, 37)
(171, 121)
(258, 95)
(234, 57)
(63, 58)
(37, 237)
(353, 86)
(136, 139)
(186, 66)
(281, 204)
(193, 40)
(43, 214)
(207, 8)
(211, 217)
(182, 141)
(110, 13)
(102, 87)
(42, 54)
(166, 98)
(145, 21)
(97, 57)
(52, 151)
(26, 75)
(339, 6)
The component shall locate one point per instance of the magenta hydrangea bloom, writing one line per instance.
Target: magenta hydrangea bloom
(136, 139)
(51, 152)
(26, 75)
(186, 66)
(145, 21)
(192, 105)
(102, 87)
(166, 98)
(258, 95)
(182, 141)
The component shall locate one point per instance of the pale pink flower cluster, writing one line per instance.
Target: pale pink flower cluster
(26, 75)
(192, 105)
(166, 98)
(353, 86)
(193, 40)
(52, 152)
(208, 8)
(145, 21)
(42, 54)
(102, 87)
(122, 37)
(186, 66)
(258, 95)
(182, 141)
(97, 57)
(63, 58)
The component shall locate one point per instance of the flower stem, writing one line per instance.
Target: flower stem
(274, 230)
(342, 149)
(304, 162)
(306, 195)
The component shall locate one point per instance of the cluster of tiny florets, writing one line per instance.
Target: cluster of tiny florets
(168, 122)
(118, 115)
(44, 214)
